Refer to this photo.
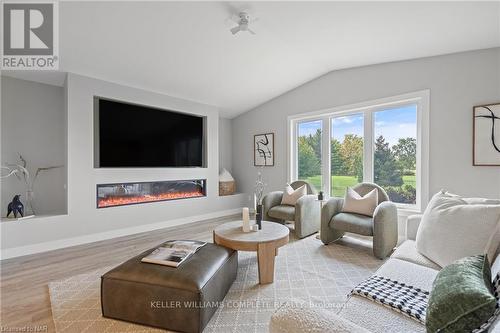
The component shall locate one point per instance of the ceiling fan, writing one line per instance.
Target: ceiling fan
(243, 21)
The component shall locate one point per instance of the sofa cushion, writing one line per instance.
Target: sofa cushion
(461, 299)
(452, 228)
(282, 212)
(380, 319)
(408, 251)
(355, 223)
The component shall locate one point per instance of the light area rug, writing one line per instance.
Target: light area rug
(305, 271)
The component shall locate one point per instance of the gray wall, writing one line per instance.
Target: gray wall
(456, 83)
(83, 222)
(225, 144)
(33, 124)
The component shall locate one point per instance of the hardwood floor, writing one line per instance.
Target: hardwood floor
(24, 295)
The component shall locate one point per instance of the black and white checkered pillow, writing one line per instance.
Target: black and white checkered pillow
(496, 291)
(408, 300)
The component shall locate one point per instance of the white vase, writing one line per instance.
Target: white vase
(246, 219)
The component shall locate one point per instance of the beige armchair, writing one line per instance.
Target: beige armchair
(383, 226)
(305, 214)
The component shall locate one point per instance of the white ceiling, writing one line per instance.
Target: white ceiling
(185, 49)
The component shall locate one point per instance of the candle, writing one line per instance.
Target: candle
(246, 219)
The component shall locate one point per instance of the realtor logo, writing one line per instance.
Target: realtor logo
(30, 39)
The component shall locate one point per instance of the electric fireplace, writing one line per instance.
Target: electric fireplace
(121, 194)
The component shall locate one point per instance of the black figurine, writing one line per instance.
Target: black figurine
(15, 206)
(320, 196)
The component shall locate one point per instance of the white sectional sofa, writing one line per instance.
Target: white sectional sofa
(362, 315)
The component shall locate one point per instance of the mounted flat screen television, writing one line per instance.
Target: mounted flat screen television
(136, 136)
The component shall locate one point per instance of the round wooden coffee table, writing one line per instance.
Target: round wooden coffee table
(266, 242)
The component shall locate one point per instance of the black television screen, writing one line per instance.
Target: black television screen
(129, 135)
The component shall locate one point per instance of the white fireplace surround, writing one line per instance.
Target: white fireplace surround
(84, 223)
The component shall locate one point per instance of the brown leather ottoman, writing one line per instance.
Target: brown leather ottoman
(180, 299)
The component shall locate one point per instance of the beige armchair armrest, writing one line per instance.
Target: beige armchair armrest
(385, 229)
(330, 208)
(294, 318)
(307, 216)
(412, 224)
(269, 201)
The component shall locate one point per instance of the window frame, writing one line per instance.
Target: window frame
(367, 108)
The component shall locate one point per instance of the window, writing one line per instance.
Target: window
(395, 153)
(309, 152)
(383, 141)
(346, 153)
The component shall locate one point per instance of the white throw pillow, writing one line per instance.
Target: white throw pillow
(452, 228)
(355, 203)
(290, 196)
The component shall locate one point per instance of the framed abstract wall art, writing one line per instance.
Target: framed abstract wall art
(486, 135)
(263, 149)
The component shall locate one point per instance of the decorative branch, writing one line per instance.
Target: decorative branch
(259, 187)
(26, 174)
(11, 171)
(44, 169)
(17, 169)
(22, 174)
(23, 160)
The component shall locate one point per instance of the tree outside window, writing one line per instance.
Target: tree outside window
(309, 153)
(395, 153)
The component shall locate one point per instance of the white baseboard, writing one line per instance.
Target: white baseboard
(68, 242)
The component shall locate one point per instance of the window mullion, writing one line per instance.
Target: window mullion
(368, 146)
(296, 152)
(325, 156)
(292, 153)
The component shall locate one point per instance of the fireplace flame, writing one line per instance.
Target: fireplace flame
(127, 200)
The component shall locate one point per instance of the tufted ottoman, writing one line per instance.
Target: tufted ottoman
(180, 299)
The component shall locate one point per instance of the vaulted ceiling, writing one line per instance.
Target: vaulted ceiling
(185, 49)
